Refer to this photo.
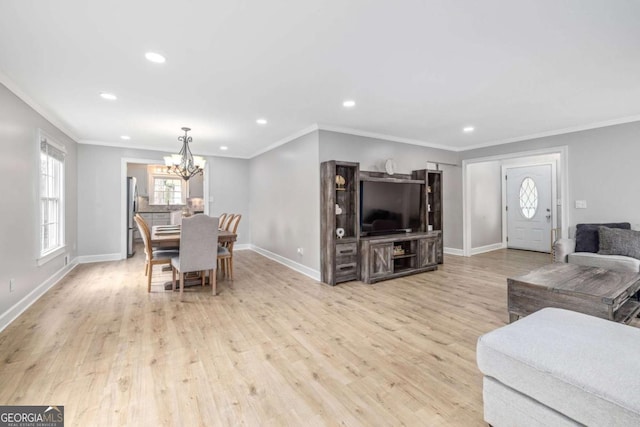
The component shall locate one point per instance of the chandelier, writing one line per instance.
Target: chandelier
(184, 164)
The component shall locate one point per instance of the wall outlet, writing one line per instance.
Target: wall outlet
(12, 285)
(300, 251)
(581, 204)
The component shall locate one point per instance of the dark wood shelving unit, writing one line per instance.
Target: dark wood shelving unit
(373, 258)
(340, 232)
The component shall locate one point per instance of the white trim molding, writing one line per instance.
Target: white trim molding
(487, 248)
(453, 251)
(86, 259)
(309, 272)
(384, 137)
(285, 140)
(47, 114)
(18, 308)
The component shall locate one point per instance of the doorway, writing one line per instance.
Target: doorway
(475, 222)
(529, 208)
(124, 165)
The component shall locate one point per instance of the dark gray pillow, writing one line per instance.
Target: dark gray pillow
(615, 241)
(587, 239)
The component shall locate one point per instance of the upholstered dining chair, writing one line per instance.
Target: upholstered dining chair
(155, 248)
(221, 220)
(152, 257)
(198, 250)
(226, 257)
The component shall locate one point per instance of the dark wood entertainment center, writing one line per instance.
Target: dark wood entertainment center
(346, 255)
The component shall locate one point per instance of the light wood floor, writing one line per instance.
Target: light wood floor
(273, 348)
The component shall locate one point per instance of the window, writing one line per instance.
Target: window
(528, 198)
(51, 196)
(165, 188)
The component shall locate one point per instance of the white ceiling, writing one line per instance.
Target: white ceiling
(419, 70)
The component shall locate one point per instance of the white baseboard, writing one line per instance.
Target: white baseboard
(12, 314)
(85, 259)
(310, 272)
(487, 248)
(453, 251)
(242, 247)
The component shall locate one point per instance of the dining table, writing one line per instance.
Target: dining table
(169, 236)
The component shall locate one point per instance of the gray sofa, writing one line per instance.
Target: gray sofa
(561, 368)
(585, 248)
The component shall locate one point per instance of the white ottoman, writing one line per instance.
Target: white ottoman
(558, 367)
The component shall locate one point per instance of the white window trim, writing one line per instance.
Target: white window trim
(45, 257)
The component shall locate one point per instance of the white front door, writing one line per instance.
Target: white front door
(529, 209)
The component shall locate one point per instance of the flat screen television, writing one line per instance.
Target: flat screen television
(389, 207)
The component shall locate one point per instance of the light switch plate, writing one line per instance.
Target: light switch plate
(581, 204)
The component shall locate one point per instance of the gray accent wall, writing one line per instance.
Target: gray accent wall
(285, 201)
(229, 192)
(19, 217)
(602, 169)
(371, 153)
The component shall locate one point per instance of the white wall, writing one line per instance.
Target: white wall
(19, 215)
(285, 202)
(371, 153)
(602, 169)
(485, 197)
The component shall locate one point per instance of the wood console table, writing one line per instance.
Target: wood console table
(595, 291)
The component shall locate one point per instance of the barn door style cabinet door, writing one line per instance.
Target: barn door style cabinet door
(339, 222)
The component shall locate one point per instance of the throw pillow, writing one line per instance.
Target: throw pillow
(615, 241)
(587, 239)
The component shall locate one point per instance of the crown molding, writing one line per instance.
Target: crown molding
(65, 128)
(314, 127)
(375, 135)
(152, 148)
(595, 125)
(44, 112)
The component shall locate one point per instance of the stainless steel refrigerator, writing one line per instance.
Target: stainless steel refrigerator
(132, 198)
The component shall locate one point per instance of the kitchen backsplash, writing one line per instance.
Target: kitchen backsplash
(194, 204)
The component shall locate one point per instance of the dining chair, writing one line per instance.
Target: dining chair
(155, 248)
(198, 250)
(152, 257)
(226, 257)
(221, 220)
(227, 220)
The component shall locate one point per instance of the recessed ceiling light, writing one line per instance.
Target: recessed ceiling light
(155, 57)
(468, 129)
(109, 96)
(125, 137)
(261, 121)
(349, 103)
(224, 147)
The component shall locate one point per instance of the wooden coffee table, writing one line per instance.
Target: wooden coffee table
(595, 291)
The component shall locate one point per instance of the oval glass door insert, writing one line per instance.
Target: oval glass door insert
(528, 198)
